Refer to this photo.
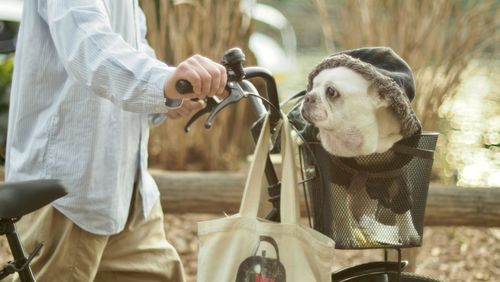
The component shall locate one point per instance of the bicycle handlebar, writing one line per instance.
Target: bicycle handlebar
(238, 89)
(183, 86)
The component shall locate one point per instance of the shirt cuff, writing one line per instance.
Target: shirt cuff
(156, 91)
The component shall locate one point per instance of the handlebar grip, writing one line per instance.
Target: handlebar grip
(183, 86)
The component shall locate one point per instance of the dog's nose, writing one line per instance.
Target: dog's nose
(310, 98)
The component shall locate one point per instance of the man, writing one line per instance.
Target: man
(85, 86)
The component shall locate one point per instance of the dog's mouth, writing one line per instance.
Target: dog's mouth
(313, 114)
(306, 116)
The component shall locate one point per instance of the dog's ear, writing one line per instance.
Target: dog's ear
(377, 100)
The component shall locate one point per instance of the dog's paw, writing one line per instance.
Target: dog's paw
(352, 242)
(409, 236)
(356, 243)
(346, 237)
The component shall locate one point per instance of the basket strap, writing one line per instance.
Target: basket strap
(415, 152)
(381, 174)
(358, 182)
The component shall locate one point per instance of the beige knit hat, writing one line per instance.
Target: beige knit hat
(390, 74)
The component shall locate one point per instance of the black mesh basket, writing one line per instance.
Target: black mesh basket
(374, 201)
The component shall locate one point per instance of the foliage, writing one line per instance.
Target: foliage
(6, 67)
(438, 39)
(442, 40)
(488, 146)
(8, 31)
(176, 30)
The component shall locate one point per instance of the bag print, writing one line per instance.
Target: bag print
(261, 268)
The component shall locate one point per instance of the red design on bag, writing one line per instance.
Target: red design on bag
(260, 278)
(260, 268)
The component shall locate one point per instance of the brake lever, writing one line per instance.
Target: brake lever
(213, 107)
(236, 93)
(232, 60)
(211, 104)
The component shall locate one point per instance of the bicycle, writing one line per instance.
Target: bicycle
(33, 195)
(39, 193)
(415, 159)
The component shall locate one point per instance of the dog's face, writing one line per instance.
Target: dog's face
(351, 117)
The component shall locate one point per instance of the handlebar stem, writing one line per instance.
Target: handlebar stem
(271, 89)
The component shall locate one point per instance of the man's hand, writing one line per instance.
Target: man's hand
(187, 107)
(207, 77)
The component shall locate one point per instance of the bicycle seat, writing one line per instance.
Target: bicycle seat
(20, 198)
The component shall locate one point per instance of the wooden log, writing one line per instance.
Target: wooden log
(455, 206)
(220, 192)
(200, 192)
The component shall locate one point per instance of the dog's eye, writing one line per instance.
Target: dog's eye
(331, 92)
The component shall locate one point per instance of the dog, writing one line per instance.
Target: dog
(353, 120)
(355, 116)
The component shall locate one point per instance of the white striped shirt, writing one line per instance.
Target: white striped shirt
(83, 88)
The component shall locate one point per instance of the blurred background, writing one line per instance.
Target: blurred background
(451, 45)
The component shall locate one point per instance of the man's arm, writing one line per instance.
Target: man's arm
(155, 119)
(185, 107)
(100, 59)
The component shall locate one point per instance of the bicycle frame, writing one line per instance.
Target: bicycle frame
(21, 263)
(35, 194)
(372, 271)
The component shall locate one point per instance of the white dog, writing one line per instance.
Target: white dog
(353, 120)
(349, 102)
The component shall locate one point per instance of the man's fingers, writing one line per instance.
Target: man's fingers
(188, 72)
(173, 115)
(217, 75)
(222, 82)
(224, 94)
(205, 76)
(183, 111)
(188, 106)
(194, 105)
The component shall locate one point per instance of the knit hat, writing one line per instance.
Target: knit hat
(390, 74)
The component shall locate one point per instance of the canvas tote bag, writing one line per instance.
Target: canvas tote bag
(245, 248)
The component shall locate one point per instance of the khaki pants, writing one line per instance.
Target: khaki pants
(139, 253)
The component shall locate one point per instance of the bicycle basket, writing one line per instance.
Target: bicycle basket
(374, 201)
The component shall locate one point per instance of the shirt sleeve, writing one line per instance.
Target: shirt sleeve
(155, 119)
(99, 58)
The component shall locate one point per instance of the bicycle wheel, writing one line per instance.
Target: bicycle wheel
(411, 277)
(391, 277)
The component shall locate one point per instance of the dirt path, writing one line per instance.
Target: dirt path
(450, 253)
(455, 254)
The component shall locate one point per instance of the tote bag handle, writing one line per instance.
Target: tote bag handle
(289, 204)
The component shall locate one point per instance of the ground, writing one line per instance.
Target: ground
(449, 253)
